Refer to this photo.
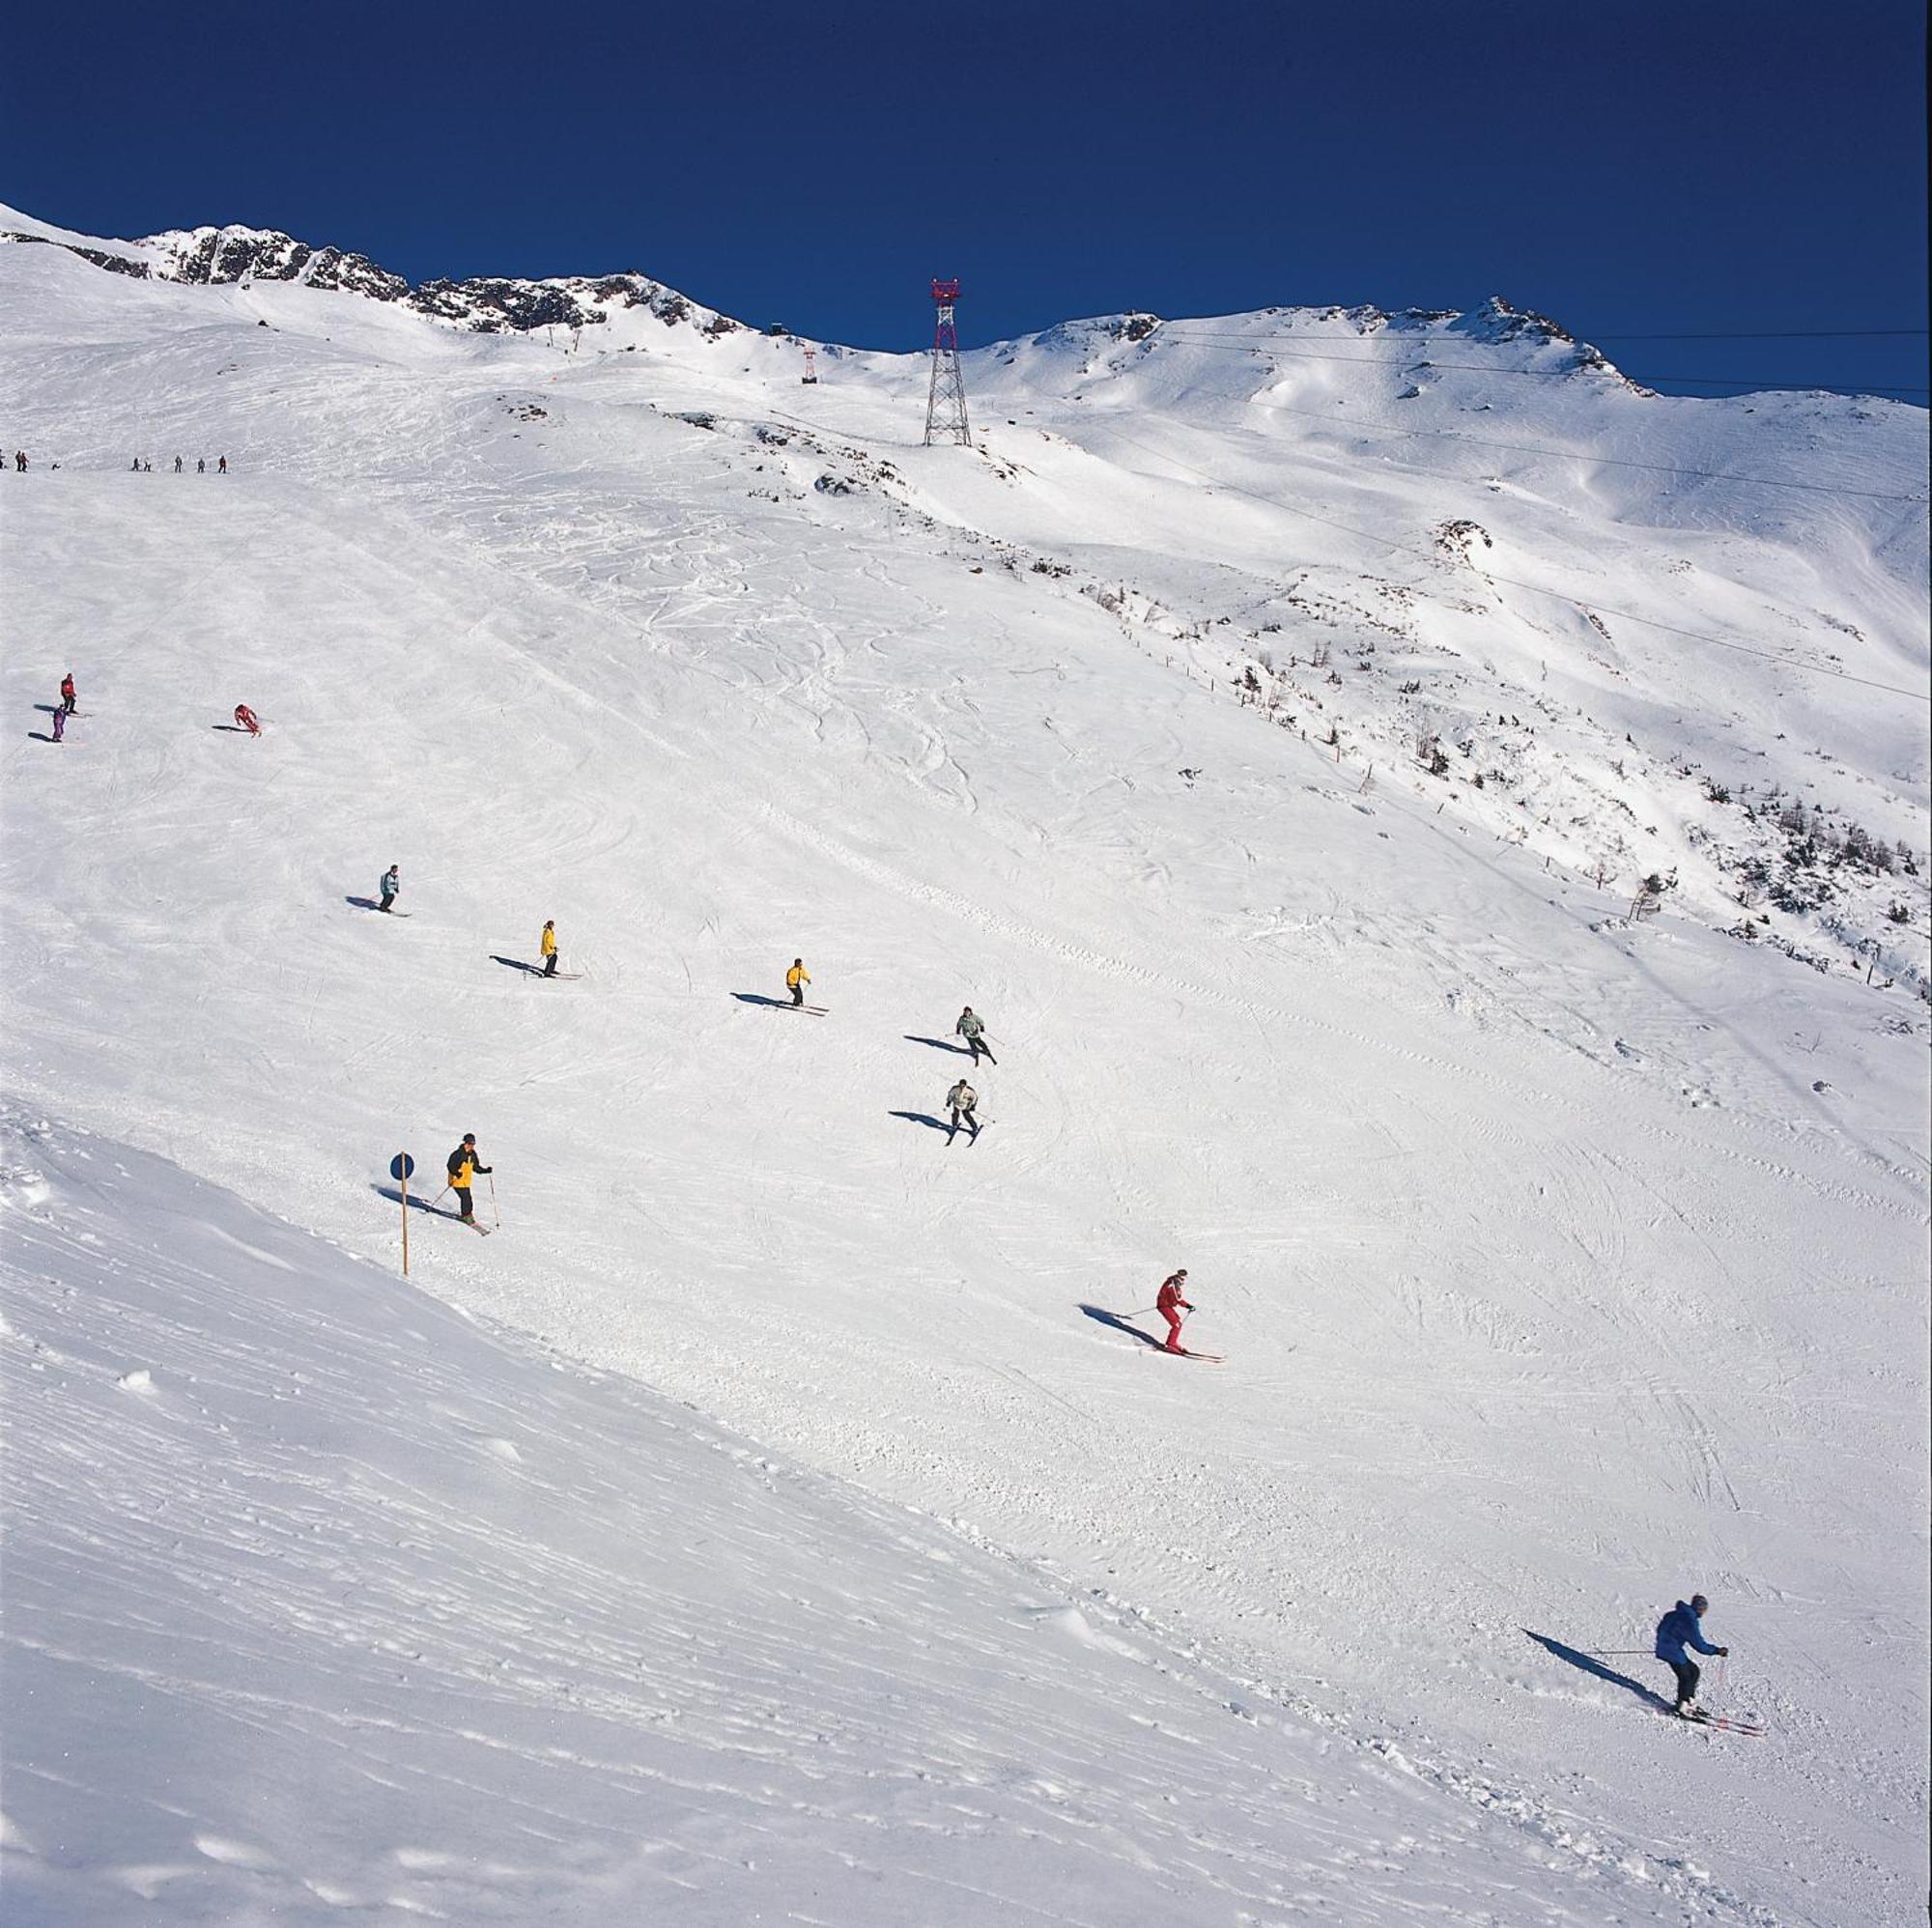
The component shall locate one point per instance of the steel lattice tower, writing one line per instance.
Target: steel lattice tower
(946, 399)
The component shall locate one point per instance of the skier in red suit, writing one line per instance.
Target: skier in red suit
(248, 720)
(1171, 1305)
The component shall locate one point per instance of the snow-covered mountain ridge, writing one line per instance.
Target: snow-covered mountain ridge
(214, 257)
(1563, 1259)
(1817, 855)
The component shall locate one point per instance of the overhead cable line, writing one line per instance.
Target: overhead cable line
(1607, 460)
(1550, 374)
(1594, 335)
(1515, 583)
(1762, 335)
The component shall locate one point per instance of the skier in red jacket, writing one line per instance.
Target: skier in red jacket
(1171, 1305)
(246, 719)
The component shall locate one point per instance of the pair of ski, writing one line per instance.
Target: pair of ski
(809, 1011)
(1727, 1723)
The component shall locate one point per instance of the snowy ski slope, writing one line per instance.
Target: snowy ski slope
(1564, 1263)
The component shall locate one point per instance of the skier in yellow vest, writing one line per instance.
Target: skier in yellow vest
(796, 979)
(548, 946)
(463, 1168)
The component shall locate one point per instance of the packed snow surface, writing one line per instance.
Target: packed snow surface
(780, 1517)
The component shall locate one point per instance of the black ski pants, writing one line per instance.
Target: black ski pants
(1688, 1674)
(550, 965)
(979, 1051)
(797, 996)
(389, 897)
(964, 1116)
(466, 1207)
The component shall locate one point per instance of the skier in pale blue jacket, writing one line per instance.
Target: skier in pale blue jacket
(1680, 1629)
(392, 883)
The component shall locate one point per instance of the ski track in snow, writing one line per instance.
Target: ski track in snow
(1561, 1266)
(544, 1644)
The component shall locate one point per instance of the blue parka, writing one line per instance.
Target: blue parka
(1679, 1629)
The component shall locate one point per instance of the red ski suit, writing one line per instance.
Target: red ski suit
(1166, 1305)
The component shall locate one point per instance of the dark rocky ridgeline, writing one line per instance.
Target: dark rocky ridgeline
(488, 304)
(213, 255)
(115, 263)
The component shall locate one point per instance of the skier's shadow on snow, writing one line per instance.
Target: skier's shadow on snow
(233, 728)
(1588, 1663)
(1120, 1325)
(517, 964)
(48, 709)
(920, 1117)
(40, 736)
(759, 998)
(938, 1044)
(416, 1202)
(363, 903)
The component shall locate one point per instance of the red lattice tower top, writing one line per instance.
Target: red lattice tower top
(944, 335)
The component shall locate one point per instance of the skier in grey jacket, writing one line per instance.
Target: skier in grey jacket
(971, 1026)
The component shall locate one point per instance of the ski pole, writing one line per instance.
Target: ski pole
(494, 1212)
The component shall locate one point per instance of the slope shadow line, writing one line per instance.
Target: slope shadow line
(1588, 1663)
(1120, 1325)
(417, 1203)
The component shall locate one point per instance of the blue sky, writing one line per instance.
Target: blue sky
(1630, 168)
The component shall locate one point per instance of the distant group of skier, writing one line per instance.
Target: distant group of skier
(141, 466)
(68, 705)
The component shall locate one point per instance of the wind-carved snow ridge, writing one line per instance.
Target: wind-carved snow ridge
(1427, 863)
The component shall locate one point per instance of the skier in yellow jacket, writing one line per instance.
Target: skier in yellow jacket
(463, 1168)
(796, 979)
(548, 946)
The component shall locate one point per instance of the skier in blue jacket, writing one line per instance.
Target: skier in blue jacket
(1680, 1629)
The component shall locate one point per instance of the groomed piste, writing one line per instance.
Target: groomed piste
(788, 1514)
